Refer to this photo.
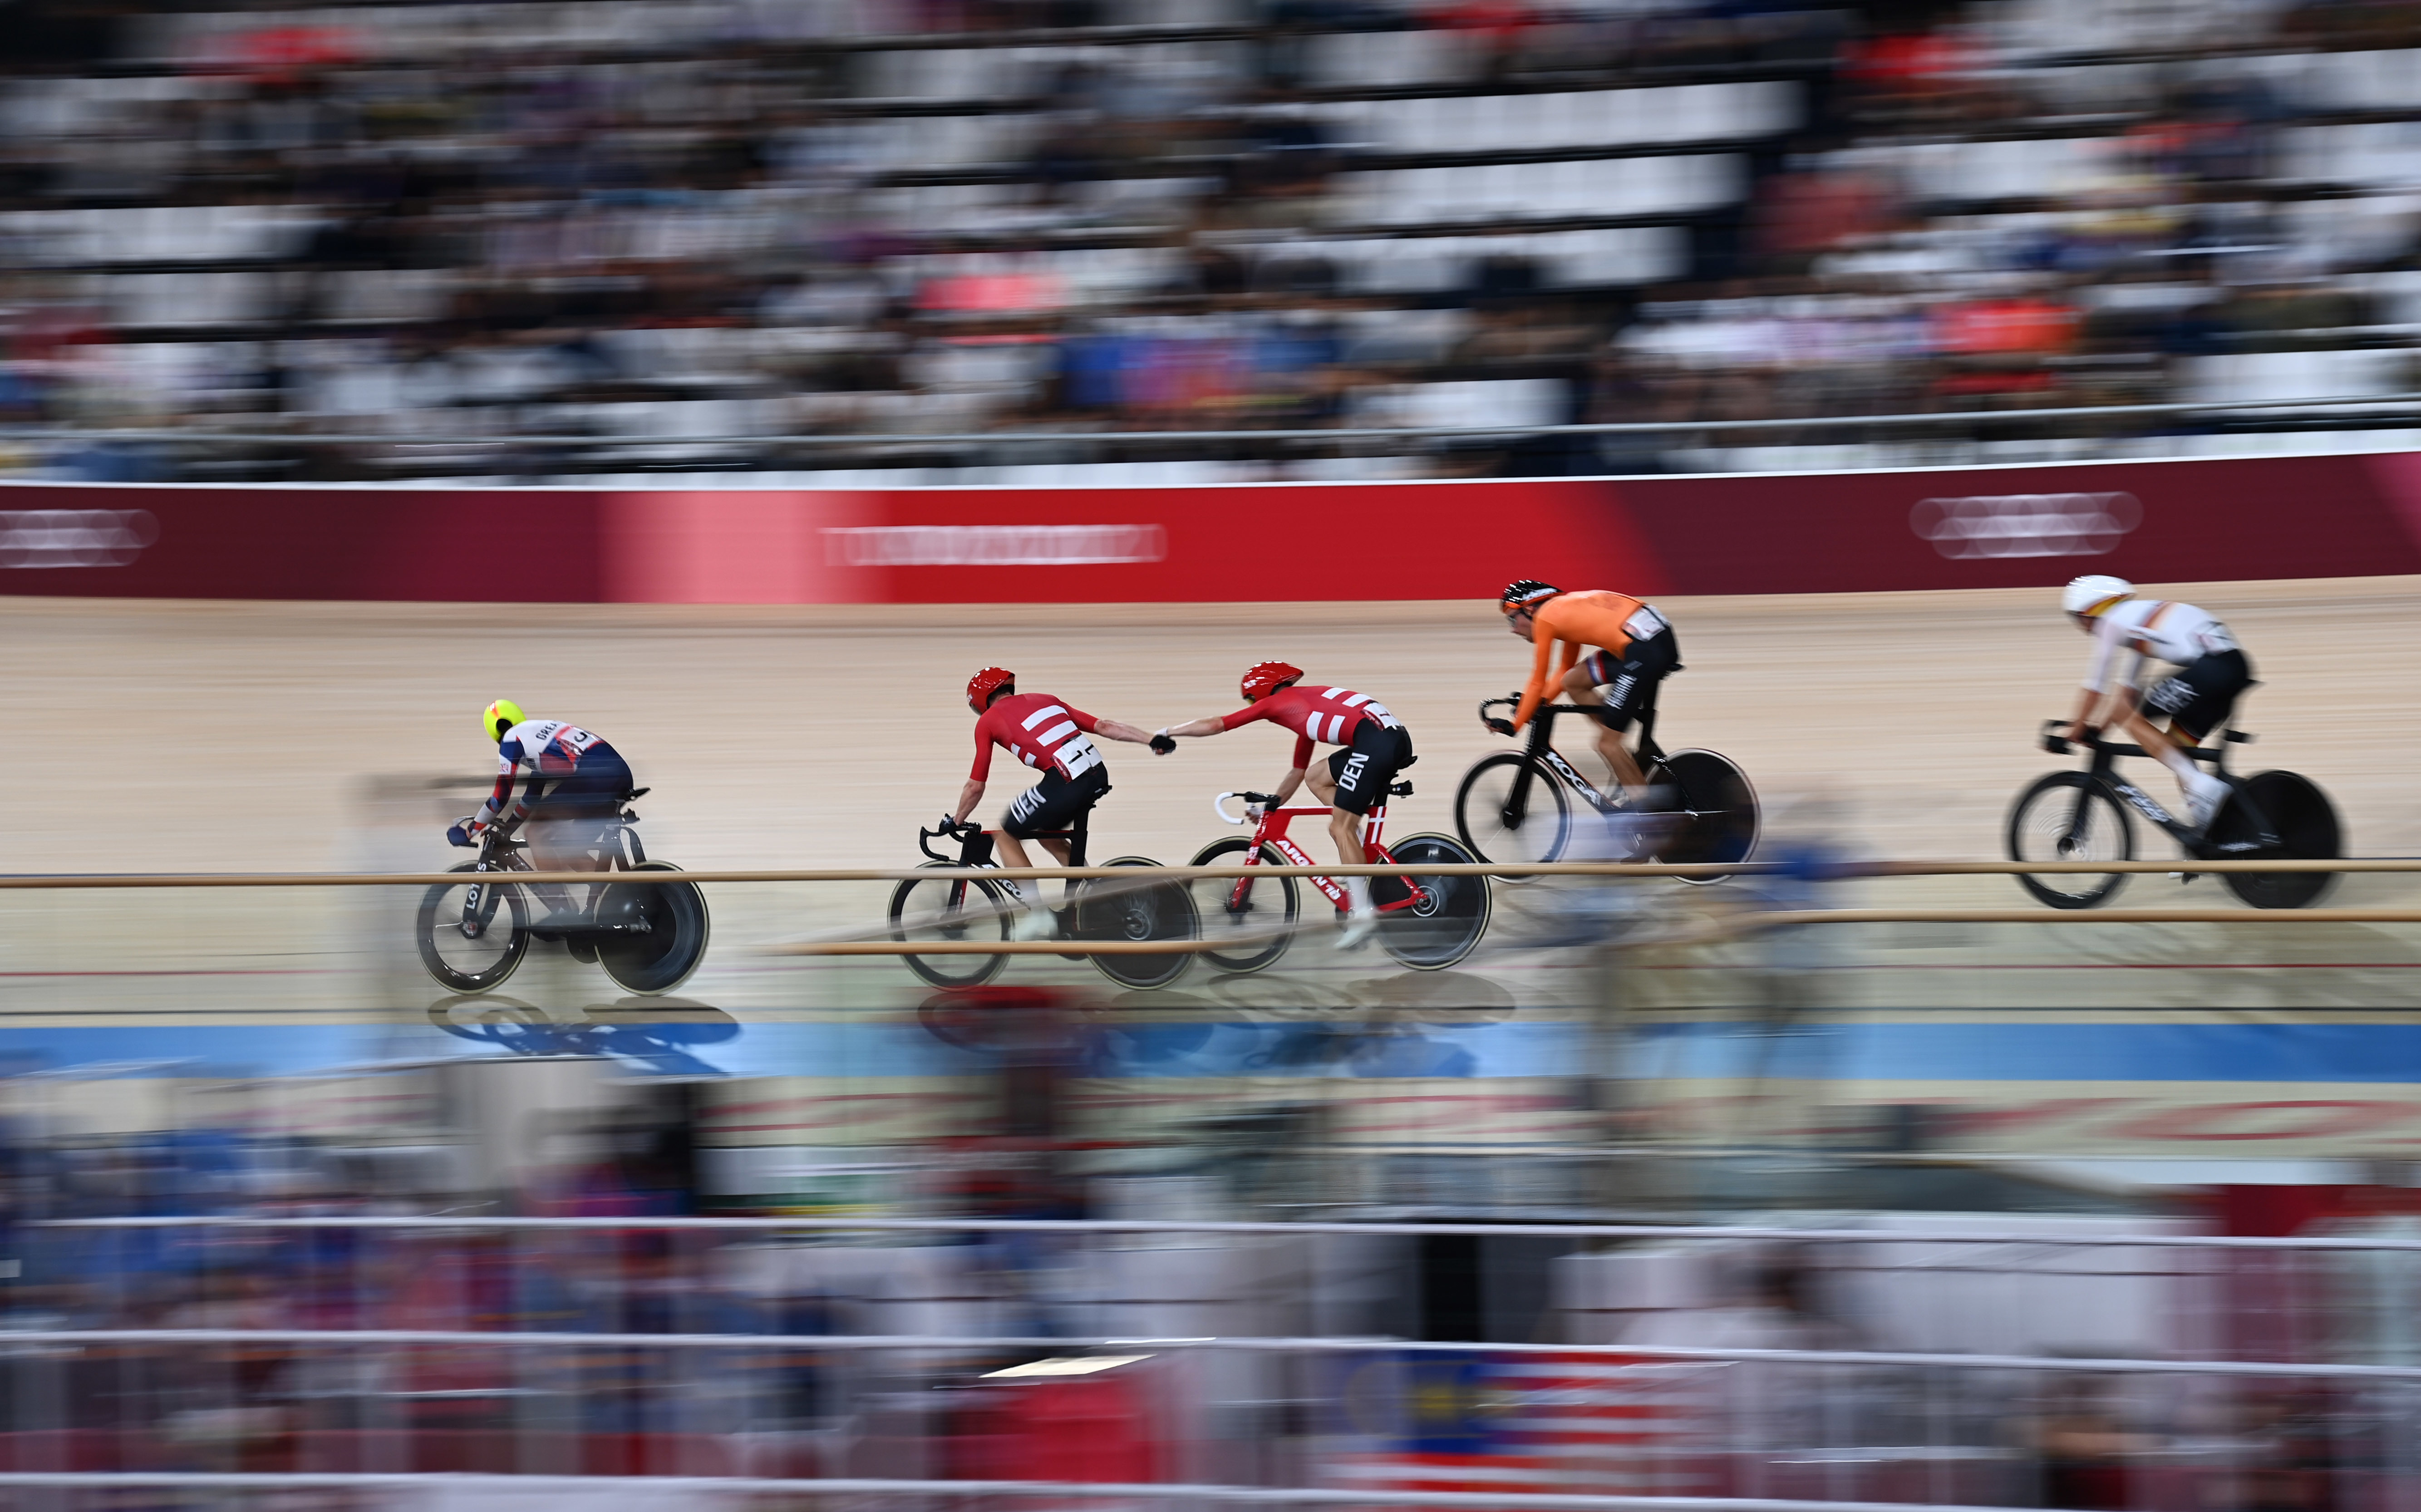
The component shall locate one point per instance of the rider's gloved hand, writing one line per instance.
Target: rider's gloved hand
(2056, 743)
(459, 833)
(1161, 742)
(1502, 727)
(948, 825)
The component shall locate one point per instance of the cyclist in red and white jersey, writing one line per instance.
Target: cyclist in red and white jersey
(1052, 736)
(1354, 780)
(2196, 699)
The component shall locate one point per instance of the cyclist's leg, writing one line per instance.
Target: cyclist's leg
(1581, 685)
(2195, 701)
(1353, 781)
(1053, 803)
(566, 824)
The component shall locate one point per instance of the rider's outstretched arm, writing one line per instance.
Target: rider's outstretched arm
(1191, 728)
(1118, 730)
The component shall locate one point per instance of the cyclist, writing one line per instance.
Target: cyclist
(1050, 735)
(2196, 699)
(1635, 651)
(1376, 747)
(577, 784)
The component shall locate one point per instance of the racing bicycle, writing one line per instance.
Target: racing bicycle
(1427, 922)
(977, 907)
(647, 936)
(2082, 816)
(1519, 805)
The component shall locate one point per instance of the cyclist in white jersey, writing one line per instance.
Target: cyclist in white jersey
(2196, 699)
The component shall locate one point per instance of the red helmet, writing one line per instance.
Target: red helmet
(985, 683)
(1265, 677)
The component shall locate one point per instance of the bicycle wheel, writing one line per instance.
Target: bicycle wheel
(1448, 914)
(656, 932)
(1257, 913)
(953, 909)
(1112, 908)
(1494, 828)
(1717, 807)
(2303, 822)
(473, 947)
(2066, 815)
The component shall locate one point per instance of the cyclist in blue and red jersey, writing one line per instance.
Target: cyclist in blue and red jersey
(1054, 737)
(576, 787)
(1353, 782)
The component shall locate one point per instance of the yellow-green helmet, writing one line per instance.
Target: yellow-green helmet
(499, 717)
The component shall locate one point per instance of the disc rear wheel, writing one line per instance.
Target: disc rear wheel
(1447, 915)
(1112, 908)
(1716, 813)
(653, 934)
(2295, 821)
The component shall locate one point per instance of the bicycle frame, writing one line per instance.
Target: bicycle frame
(1272, 832)
(1542, 750)
(976, 849)
(2103, 771)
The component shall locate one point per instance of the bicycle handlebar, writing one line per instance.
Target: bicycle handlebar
(925, 839)
(1218, 807)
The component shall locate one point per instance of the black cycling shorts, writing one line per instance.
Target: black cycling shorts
(1055, 803)
(595, 789)
(2201, 695)
(1630, 680)
(1364, 769)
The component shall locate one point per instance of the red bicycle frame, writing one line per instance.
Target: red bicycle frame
(1272, 832)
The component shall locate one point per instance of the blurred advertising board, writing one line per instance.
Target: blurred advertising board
(1943, 528)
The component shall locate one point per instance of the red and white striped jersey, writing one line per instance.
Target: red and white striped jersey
(1041, 732)
(1327, 715)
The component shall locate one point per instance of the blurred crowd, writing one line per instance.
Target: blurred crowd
(679, 226)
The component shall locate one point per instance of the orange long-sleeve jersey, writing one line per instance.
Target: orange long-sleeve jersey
(1596, 617)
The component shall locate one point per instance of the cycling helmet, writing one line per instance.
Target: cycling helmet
(2094, 592)
(1263, 679)
(985, 683)
(1527, 594)
(499, 717)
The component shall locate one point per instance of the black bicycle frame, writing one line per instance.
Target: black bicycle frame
(976, 850)
(2103, 772)
(1543, 756)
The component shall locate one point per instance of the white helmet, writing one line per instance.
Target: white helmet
(2093, 591)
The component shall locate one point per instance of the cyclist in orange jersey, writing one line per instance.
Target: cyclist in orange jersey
(1635, 651)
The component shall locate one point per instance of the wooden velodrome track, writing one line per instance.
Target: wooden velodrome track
(219, 735)
(250, 737)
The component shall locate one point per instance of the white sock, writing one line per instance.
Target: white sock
(2181, 763)
(1357, 894)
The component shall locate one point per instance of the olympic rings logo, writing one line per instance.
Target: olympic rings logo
(2026, 525)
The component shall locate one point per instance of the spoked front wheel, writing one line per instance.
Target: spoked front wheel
(2301, 825)
(1251, 918)
(1714, 807)
(1112, 908)
(654, 933)
(2066, 815)
(473, 932)
(1512, 810)
(953, 909)
(1447, 915)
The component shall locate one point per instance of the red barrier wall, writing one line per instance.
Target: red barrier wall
(1940, 528)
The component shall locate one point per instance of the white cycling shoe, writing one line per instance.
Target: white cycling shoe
(2203, 795)
(1034, 924)
(1360, 926)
